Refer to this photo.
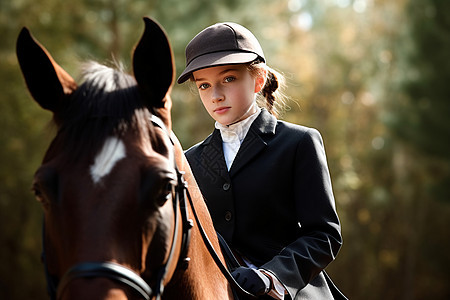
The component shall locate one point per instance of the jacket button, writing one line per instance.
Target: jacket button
(228, 216)
(226, 186)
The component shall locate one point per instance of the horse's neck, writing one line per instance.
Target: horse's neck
(202, 279)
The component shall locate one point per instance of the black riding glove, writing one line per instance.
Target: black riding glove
(251, 280)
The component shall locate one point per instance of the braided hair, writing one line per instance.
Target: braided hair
(272, 90)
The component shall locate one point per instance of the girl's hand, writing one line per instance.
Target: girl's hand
(252, 280)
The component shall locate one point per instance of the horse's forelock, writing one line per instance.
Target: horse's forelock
(107, 79)
(106, 103)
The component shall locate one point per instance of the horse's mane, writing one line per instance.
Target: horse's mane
(107, 103)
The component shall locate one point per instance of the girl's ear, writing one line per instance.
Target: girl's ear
(260, 80)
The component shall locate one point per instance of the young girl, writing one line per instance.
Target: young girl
(265, 181)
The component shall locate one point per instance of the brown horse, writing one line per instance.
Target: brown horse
(115, 216)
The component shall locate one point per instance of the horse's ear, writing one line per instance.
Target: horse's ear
(47, 82)
(153, 63)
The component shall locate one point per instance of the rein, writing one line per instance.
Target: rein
(157, 121)
(215, 256)
(130, 278)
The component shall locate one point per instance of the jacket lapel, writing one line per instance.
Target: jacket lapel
(256, 140)
(212, 158)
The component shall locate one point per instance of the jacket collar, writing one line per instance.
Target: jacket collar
(264, 124)
(262, 129)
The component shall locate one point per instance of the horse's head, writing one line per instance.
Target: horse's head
(107, 179)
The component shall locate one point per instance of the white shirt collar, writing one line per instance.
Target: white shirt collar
(238, 129)
(233, 135)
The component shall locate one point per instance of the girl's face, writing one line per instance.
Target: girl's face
(228, 92)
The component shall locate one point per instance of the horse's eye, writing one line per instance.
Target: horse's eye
(169, 191)
(38, 194)
(156, 187)
(165, 193)
(169, 187)
(45, 186)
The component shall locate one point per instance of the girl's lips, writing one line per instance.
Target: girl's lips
(221, 110)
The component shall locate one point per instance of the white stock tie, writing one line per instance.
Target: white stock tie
(233, 136)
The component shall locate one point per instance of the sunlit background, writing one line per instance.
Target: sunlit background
(373, 76)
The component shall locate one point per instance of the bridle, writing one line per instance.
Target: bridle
(122, 274)
(130, 278)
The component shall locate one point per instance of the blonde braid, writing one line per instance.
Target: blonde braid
(271, 92)
(269, 89)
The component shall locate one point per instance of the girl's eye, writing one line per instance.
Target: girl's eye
(230, 79)
(203, 86)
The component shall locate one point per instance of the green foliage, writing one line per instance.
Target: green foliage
(420, 117)
(370, 75)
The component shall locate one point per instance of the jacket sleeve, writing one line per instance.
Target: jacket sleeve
(320, 237)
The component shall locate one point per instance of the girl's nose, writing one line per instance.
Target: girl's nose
(217, 95)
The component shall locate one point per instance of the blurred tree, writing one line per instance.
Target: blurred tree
(417, 117)
(421, 117)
